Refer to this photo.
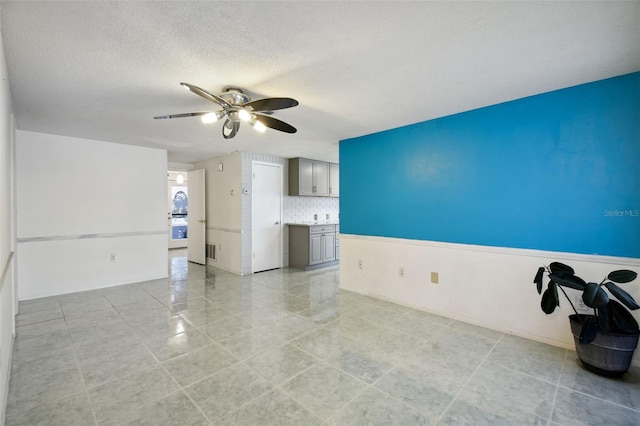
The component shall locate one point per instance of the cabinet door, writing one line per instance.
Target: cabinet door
(320, 178)
(315, 249)
(334, 180)
(329, 246)
(305, 177)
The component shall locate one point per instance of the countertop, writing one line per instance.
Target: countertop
(313, 223)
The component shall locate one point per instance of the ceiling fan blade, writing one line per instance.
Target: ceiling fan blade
(208, 96)
(271, 104)
(186, 114)
(276, 124)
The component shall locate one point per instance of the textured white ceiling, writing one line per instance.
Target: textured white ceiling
(102, 70)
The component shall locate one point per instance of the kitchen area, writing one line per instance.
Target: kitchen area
(313, 214)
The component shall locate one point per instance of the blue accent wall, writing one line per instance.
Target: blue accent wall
(558, 171)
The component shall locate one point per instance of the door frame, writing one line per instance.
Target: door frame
(253, 210)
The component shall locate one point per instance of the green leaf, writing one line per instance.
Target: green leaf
(568, 280)
(589, 330)
(622, 276)
(548, 302)
(622, 318)
(605, 317)
(538, 279)
(561, 267)
(622, 296)
(594, 296)
(553, 287)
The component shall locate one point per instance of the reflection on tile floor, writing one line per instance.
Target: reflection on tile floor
(286, 347)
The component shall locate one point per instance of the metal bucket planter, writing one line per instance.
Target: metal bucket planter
(609, 354)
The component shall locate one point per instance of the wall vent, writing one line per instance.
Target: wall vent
(211, 251)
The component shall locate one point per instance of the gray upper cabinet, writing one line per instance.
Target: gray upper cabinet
(320, 179)
(311, 178)
(334, 180)
(300, 176)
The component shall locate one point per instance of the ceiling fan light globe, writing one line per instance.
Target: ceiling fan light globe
(211, 117)
(244, 115)
(259, 126)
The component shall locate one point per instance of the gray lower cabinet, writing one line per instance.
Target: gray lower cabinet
(312, 246)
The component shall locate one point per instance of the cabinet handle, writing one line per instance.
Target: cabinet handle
(315, 189)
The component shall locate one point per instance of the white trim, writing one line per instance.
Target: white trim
(234, 231)
(629, 261)
(472, 321)
(90, 236)
(98, 287)
(5, 269)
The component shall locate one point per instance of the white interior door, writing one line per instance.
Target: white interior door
(266, 220)
(196, 225)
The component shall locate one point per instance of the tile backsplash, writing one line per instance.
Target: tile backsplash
(303, 209)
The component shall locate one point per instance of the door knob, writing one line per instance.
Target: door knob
(201, 221)
(278, 223)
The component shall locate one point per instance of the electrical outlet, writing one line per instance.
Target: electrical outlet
(359, 264)
(435, 278)
(401, 272)
(113, 257)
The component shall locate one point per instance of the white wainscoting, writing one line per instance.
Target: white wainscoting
(59, 266)
(486, 286)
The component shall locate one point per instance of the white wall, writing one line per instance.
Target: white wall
(79, 202)
(488, 286)
(7, 232)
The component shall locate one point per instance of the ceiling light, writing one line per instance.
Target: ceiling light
(180, 179)
(258, 126)
(212, 117)
(244, 115)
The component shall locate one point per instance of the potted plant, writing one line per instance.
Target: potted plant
(605, 340)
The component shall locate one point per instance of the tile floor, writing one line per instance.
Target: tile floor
(286, 347)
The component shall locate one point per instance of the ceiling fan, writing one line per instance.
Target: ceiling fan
(237, 107)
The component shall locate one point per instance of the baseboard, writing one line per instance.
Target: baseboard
(528, 336)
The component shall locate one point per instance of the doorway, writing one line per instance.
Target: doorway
(266, 216)
(178, 209)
